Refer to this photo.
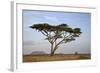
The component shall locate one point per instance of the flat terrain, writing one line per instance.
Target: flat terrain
(56, 57)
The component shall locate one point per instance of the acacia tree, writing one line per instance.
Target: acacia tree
(57, 34)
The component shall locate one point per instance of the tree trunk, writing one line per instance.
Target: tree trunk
(53, 50)
(52, 53)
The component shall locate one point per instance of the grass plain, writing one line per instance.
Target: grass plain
(55, 57)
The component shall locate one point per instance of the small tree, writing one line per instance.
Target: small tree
(57, 34)
(76, 53)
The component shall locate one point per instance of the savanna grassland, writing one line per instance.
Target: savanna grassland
(55, 57)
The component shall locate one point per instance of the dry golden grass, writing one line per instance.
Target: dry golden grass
(56, 57)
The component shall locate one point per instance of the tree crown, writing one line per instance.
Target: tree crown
(52, 28)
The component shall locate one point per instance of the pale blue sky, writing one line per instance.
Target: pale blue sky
(34, 40)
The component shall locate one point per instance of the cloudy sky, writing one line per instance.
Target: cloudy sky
(34, 40)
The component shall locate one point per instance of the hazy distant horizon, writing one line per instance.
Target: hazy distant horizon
(34, 40)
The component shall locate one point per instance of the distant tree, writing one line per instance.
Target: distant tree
(76, 53)
(57, 34)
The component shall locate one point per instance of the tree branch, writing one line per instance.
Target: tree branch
(43, 33)
(61, 42)
(47, 35)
